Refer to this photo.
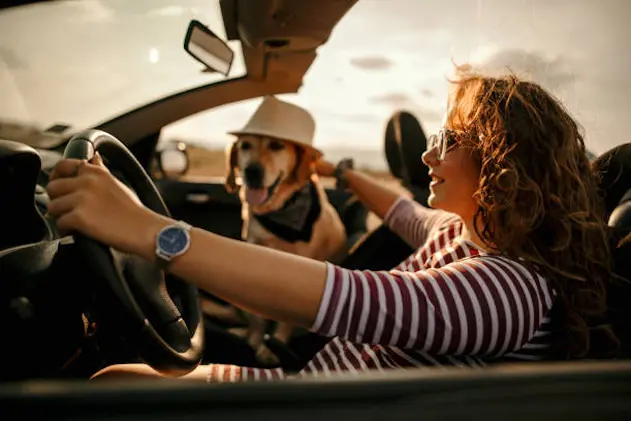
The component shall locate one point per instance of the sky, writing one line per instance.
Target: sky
(383, 56)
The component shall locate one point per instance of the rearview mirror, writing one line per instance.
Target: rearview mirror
(207, 48)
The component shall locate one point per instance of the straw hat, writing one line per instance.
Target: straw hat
(282, 120)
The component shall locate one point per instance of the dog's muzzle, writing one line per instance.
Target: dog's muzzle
(256, 192)
(253, 175)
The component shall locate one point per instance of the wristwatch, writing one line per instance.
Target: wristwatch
(340, 178)
(172, 241)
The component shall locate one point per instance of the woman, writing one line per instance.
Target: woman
(515, 231)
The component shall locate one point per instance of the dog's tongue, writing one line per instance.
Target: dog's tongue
(255, 196)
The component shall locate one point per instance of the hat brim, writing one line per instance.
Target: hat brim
(317, 151)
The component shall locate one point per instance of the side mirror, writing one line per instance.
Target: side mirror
(207, 48)
(173, 162)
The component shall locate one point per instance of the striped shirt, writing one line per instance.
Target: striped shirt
(449, 303)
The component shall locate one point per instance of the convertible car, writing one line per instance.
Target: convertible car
(69, 306)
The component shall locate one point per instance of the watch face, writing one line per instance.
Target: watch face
(173, 240)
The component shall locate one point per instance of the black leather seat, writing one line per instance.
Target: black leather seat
(21, 220)
(620, 216)
(614, 170)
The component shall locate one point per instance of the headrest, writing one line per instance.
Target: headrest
(614, 171)
(404, 142)
(621, 215)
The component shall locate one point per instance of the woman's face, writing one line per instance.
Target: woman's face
(454, 181)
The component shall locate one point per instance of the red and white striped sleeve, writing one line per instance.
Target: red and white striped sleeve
(414, 222)
(487, 305)
(224, 373)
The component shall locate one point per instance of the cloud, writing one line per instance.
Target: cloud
(355, 117)
(11, 58)
(396, 99)
(325, 114)
(93, 11)
(168, 11)
(427, 93)
(427, 115)
(553, 73)
(401, 101)
(371, 63)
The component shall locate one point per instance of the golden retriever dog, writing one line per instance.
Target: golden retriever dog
(284, 206)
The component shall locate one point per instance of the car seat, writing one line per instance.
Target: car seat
(614, 174)
(404, 142)
(23, 223)
(620, 216)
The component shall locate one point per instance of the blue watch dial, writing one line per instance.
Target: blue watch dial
(173, 240)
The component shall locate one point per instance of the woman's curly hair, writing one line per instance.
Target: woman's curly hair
(538, 199)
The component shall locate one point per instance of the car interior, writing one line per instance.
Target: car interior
(58, 330)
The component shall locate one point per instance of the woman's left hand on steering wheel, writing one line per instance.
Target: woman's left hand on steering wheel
(87, 198)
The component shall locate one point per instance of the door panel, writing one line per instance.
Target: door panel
(205, 205)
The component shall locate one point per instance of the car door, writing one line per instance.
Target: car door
(203, 203)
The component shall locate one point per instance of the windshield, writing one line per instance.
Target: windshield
(79, 63)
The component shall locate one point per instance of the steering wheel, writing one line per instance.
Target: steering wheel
(135, 291)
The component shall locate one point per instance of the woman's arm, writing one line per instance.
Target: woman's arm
(408, 219)
(485, 306)
(414, 222)
(210, 373)
(274, 284)
(374, 194)
(482, 306)
(301, 291)
(86, 198)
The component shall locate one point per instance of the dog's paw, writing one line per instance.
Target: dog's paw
(265, 356)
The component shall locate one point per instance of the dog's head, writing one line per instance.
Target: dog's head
(271, 169)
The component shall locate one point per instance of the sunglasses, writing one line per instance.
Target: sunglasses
(444, 141)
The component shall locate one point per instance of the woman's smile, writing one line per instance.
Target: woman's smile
(436, 181)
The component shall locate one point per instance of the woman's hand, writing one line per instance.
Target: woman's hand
(87, 198)
(325, 168)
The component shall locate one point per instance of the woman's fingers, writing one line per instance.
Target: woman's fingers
(66, 210)
(73, 167)
(69, 222)
(66, 168)
(63, 186)
(64, 204)
(97, 160)
(86, 198)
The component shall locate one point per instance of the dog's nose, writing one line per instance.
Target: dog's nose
(254, 175)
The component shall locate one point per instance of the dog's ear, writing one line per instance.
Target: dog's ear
(232, 156)
(305, 165)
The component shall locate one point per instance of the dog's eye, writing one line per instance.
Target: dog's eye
(276, 146)
(245, 146)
